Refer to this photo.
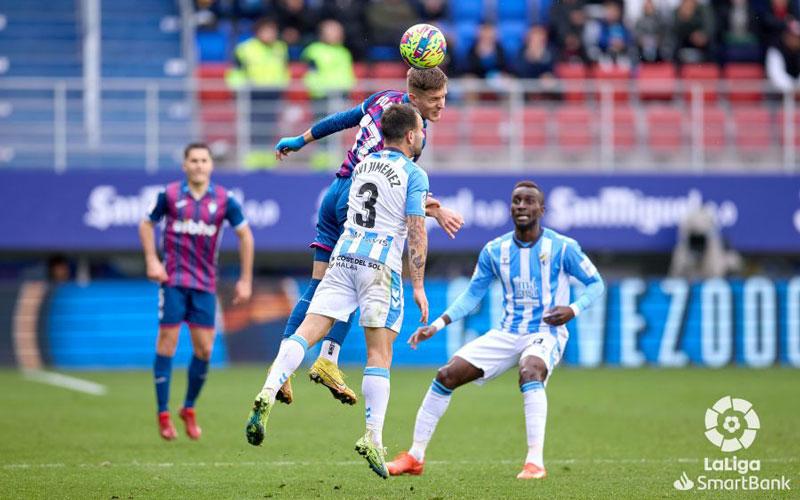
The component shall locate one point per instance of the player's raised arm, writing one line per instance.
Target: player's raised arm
(323, 128)
(154, 268)
(465, 303)
(578, 265)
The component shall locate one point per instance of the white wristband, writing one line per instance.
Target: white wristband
(575, 309)
(438, 324)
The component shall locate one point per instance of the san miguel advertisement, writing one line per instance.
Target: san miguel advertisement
(625, 213)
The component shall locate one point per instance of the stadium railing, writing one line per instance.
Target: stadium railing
(589, 125)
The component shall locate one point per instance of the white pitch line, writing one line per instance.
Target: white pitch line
(66, 382)
(286, 463)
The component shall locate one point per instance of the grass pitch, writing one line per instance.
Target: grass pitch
(611, 433)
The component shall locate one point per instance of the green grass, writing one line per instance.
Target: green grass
(610, 433)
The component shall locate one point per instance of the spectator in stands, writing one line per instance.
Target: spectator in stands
(783, 60)
(700, 251)
(351, 15)
(776, 19)
(652, 34)
(262, 62)
(486, 58)
(536, 58)
(296, 20)
(610, 42)
(567, 22)
(694, 32)
(330, 75)
(435, 12)
(388, 19)
(737, 34)
(58, 269)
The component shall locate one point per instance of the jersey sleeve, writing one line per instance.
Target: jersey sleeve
(233, 213)
(417, 193)
(578, 265)
(469, 299)
(159, 208)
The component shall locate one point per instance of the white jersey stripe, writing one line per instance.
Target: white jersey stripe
(545, 258)
(505, 274)
(525, 277)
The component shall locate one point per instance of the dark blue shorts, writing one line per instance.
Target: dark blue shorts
(331, 217)
(177, 304)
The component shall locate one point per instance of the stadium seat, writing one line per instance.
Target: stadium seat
(572, 71)
(714, 123)
(516, 10)
(446, 132)
(664, 129)
(574, 126)
(781, 127)
(512, 37)
(211, 78)
(704, 75)
(299, 93)
(487, 126)
(218, 121)
(361, 71)
(534, 128)
(753, 129)
(618, 78)
(624, 128)
(389, 71)
(656, 81)
(212, 46)
(734, 73)
(466, 10)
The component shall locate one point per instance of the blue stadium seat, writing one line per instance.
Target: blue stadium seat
(540, 12)
(466, 10)
(508, 10)
(212, 46)
(512, 36)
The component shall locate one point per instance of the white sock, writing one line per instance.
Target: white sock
(289, 357)
(433, 407)
(375, 387)
(330, 351)
(535, 403)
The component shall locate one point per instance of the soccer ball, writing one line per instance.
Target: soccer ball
(423, 46)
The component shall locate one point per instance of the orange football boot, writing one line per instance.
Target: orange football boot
(405, 463)
(165, 427)
(532, 471)
(190, 420)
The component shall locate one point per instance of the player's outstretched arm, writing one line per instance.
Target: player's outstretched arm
(417, 255)
(449, 220)
(323, 128)
(155, 269)
(244, 287)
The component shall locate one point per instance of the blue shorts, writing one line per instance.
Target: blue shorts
(331, 217)
(177, 304)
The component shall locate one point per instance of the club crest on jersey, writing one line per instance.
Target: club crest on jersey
(212, 207)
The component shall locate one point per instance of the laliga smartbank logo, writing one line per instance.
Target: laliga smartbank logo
(731, 425)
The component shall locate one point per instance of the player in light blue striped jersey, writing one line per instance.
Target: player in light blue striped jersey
(534, 265)
(386, 204)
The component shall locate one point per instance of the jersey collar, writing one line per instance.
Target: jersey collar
(185, 189)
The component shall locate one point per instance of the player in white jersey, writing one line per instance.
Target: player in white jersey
(533, 264)
(386, 203)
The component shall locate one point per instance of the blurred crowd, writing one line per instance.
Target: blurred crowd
(486, 45)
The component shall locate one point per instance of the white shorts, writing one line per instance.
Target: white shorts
(497, 351)
(354, 282)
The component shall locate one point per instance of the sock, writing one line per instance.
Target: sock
(375, 387)
(198, 369)
(162, 372)
(535, 402)
(286, 362)
(330, 351)
(340, 330)
(433, 407)
(300, 309)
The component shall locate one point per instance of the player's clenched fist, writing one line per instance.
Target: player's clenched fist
(288, 145)
(156, 271)
(242, 292)
(559, 315)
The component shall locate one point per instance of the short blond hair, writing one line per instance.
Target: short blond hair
(424, 80)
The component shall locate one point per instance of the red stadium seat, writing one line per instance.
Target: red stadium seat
(575, 126)
(361, 71)
(572, 71)
(487, 126)
(656, 81)
(714, 121)
(664, 129)
(534, 128)
(618, 78)
(298, 93)
(446, 132)
(211, 79)
(753, 129)
(389, 71)
(704, 75)
(218, 121)
(624, 128)
(734, 72)
(781, 126)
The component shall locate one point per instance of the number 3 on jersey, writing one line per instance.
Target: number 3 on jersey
(369, 196)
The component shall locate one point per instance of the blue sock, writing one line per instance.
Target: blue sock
(162, 372)
(340, 330)
(198, 368)
(300, 309)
